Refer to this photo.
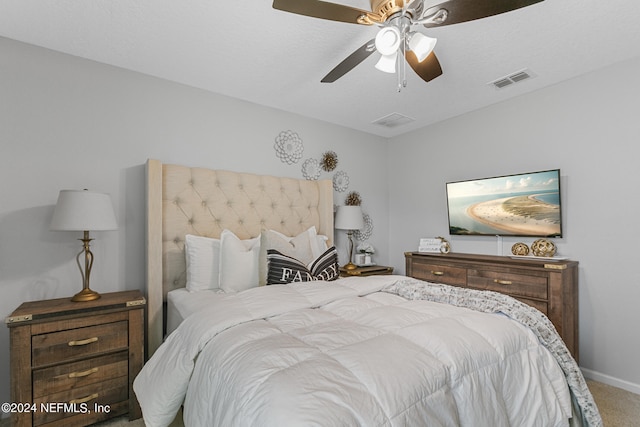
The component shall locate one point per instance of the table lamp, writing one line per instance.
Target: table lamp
(83, 210)
(349, 218)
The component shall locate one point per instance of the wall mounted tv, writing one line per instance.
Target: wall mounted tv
(526, 204)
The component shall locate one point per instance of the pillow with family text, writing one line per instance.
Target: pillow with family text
(284, 269)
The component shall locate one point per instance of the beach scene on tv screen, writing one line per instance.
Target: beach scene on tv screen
(519, 205)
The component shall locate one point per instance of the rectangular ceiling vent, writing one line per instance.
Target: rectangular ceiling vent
(393, 120)
(516, 77)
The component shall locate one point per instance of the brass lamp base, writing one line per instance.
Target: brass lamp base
(350, 266)
(85, 295)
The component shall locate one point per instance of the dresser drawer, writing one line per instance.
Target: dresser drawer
(68, 376)
(511, 283)
(438, 273)
(49, 349)
(82, 400)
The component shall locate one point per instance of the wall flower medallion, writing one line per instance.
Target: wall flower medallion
(340, 181)
(289, 147)
(311, 169)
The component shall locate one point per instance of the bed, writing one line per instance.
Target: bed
(332, 351)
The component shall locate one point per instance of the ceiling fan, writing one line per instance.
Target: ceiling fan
(396, 37)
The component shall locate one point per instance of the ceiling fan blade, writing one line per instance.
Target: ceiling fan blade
(428, 69)
(362, 53)
(469, 10)
(321, 9)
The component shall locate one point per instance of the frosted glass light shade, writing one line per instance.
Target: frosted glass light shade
(80, 210)
(388, 40)
(349, 218)
(387, 63)
(421, 45)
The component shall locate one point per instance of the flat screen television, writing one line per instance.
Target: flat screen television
(526, 204)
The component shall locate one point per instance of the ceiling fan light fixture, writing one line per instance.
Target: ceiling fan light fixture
(388, 40)
(421, 45)
(387, 63)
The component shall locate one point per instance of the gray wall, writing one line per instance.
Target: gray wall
(72, 123)
(588, 127)
(68, 123)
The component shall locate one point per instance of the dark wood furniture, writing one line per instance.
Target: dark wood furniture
(369, 270)
(549, 286)
(73, 363)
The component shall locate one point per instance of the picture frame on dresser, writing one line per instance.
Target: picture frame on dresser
(551, 286)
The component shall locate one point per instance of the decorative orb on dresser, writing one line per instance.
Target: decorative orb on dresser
(520, 249)
(543, 247)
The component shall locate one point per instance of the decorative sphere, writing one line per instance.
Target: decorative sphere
(520, 249)
(543, 247)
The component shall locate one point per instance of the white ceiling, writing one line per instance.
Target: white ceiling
(248, 50)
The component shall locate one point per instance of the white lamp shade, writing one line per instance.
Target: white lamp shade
(421, 45)
(83, 210)
(387, 63)
(349, 218)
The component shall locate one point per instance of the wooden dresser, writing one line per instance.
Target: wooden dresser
(73, 363)
(549, 286)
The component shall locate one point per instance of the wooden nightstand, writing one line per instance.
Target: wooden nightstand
(370, 270)
(74, 363)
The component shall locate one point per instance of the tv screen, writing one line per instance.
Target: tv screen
(526, 204)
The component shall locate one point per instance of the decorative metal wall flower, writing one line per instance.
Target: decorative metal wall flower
(329, 161)
(289, 147)
(365, 232)
(311, 169)
(353, 199)
(340, 181)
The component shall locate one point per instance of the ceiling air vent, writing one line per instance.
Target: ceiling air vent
(512, 78)
(393, 120)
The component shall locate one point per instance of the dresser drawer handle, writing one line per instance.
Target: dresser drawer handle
(437, 273)
(503, 282)
(83, 342)
(83, 373)
(84, 399)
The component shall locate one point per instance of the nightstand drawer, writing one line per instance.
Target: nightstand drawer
(82, 400)
(56, 347)
(511, 283)
(79, 374)
(440, 273)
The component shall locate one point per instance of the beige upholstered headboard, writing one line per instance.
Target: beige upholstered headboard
(183, 200)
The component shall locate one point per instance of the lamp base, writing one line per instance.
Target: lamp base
(350, 266)
(85, 295)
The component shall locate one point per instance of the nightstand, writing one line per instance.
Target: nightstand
(73, 363)
(370, 270)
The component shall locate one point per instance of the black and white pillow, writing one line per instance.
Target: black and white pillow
(284, 269)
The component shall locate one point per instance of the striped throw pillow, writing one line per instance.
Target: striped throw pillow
(283, 269)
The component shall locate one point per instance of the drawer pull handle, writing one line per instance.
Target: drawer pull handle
(437, 273)
(83, 373)
(84, 399)
(503, 282)
(83, 342)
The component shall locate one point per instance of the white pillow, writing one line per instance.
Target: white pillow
(202, 255)
(238, 262)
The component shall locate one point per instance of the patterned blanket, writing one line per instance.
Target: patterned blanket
(494, 302)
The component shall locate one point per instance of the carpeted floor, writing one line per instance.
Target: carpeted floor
(619, 408)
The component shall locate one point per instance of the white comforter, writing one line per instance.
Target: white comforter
(317, 354)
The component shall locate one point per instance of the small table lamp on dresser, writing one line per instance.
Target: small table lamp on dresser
(83, 210)
(349, 218)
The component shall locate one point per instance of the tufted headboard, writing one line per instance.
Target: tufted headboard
(183, 200)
